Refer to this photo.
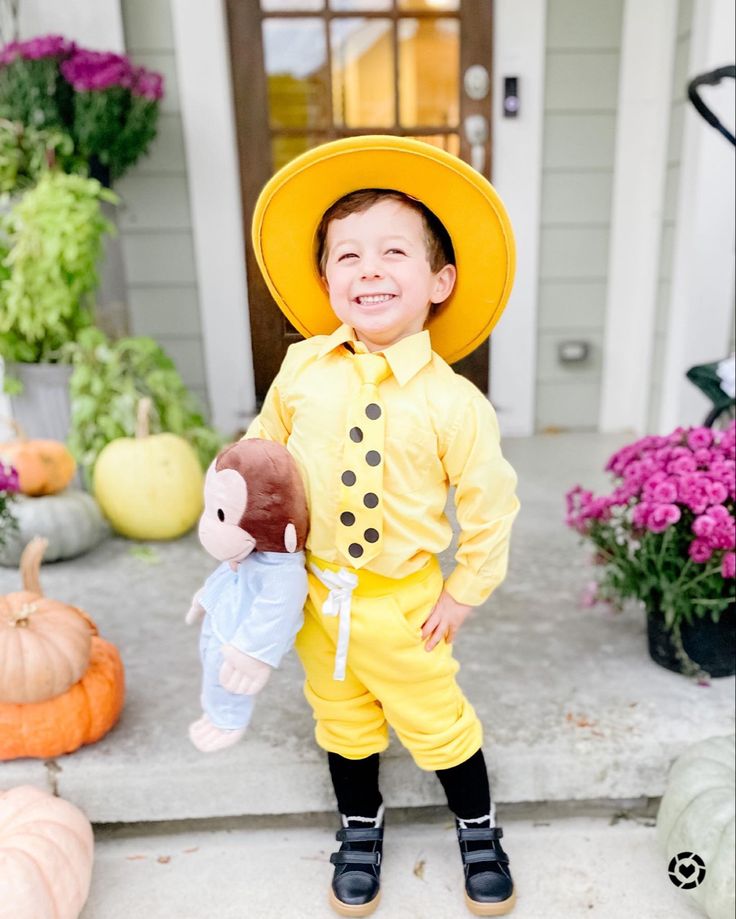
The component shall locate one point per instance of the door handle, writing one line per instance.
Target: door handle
(476, 134)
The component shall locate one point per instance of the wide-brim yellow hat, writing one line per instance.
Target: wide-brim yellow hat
(291, 205)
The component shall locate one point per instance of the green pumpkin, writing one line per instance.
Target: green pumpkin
(71, 521)
(697, 815)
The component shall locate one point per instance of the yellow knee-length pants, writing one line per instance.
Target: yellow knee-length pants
(390, 678)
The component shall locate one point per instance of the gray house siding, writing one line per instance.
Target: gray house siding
(155, 220)
(581, 98)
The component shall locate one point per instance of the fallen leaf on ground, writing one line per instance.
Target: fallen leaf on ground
(419, 869)
(145, 554)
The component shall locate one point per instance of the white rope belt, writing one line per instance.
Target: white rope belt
(341, 585)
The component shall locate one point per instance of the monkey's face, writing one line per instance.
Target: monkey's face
(225, 500)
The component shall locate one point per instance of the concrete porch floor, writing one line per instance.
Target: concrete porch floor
(574, 711)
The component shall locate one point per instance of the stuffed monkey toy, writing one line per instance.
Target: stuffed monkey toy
(255, 523)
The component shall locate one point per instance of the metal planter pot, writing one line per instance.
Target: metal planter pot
(43, 409)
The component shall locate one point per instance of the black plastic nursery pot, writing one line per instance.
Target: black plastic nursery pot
(711, 645)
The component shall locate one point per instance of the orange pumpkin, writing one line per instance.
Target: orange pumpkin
(45, 467)
(44, 644)
(81, 715)
(46, 851)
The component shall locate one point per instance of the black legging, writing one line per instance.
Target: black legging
(356, 786)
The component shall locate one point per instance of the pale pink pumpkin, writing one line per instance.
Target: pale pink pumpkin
(44, 644)
(46, 851)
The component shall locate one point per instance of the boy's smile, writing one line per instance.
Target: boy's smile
(378, 276)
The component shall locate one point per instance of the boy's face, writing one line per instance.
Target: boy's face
(377, 274)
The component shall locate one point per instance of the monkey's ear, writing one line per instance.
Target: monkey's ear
(290, 537)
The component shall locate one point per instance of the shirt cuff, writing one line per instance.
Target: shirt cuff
(466, 587)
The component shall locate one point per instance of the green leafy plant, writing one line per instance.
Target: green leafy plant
(109, 379)
(50, 244)
(27, 152)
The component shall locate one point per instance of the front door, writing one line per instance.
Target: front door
(309, 71)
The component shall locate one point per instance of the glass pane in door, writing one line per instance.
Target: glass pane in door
(436, 6)
(285, 147)
(288, 6)
(295, 57)
(449, 142)
(429, 66)
(362, 72)
(361, 6)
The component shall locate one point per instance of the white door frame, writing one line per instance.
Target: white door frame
(519, 28)
(648, 42)
(205, 93)
(701, 305)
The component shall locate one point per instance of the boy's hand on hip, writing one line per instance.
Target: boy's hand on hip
(444, 620)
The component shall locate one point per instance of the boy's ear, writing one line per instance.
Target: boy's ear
(444, 282)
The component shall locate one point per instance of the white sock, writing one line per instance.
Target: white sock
(376, 821)
(477, 820)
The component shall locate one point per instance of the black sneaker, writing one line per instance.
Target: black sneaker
(489, 888)
(356, 884)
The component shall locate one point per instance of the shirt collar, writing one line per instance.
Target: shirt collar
(405, 358)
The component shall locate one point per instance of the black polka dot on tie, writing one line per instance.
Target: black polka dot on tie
(347, 519)
(373, 411)
(348, 477)
(355, 550)
(370, 500)
(356, 435)
(371, 535)
(373, 457)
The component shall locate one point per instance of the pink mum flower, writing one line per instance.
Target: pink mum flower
(642, 512)
(9, 478)
(703, 456)
(663, 516)
(717, 492)
(699, 551)
(682, 465)
(665, 492)
(699, 438)
(728, 565)
(693, 489)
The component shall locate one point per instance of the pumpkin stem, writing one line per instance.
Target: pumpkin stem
(19, 618)
(18, 430)
(142, 428)
(30, 564)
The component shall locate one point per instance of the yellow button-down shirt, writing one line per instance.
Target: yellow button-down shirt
(441, 431)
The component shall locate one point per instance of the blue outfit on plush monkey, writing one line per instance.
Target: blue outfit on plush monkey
(255, 522)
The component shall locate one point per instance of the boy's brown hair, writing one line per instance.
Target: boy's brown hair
(437, 240)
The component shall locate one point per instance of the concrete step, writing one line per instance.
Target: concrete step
(574, 867)
(572, 705)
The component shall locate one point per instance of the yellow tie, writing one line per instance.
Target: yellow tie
(360, 511)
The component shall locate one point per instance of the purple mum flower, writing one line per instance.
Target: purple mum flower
(88, 71)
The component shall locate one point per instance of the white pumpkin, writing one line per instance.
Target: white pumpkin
(46, 850)
(697, 815)
(71, 522)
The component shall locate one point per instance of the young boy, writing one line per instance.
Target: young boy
(390, 255)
